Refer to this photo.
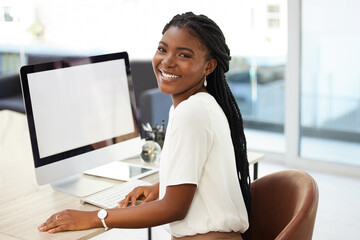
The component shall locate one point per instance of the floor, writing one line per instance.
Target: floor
(338, 215)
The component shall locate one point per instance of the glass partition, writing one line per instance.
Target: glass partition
(330, 81)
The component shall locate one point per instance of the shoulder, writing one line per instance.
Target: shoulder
(195, 108)
(198, 103)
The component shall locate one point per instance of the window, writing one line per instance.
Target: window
(257, 74)
(6, 14)
(330, 81)
(273, 12)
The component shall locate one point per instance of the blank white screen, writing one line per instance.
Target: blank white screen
(80, 105)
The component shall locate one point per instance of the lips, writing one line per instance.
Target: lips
(168, 76)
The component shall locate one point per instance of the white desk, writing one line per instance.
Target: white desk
(23, 204)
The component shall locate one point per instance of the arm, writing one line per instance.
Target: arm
(174, 206)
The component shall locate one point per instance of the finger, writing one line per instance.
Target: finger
(47, 226)
(135, 197)
(60, 228)
(49, 221)
(149, 198)
(123, 203)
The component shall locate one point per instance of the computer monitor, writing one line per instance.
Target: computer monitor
(81, 114)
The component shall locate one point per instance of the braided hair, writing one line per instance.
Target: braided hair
(210, 33)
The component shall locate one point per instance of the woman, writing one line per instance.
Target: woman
(204, 190)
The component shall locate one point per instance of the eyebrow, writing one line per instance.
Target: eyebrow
(179, 48)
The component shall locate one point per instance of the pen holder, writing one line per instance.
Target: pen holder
(156, 134)
(159, 137)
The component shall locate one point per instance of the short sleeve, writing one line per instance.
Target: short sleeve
(190, 143)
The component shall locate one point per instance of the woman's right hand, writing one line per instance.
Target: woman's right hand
(143, 193)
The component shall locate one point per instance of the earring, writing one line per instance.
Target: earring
(205, 82)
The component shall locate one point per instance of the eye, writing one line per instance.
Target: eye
(184, 55)
(161, 49)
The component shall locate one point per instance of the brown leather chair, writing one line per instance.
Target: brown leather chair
(284, 206)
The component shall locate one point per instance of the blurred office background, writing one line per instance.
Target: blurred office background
(327, 80)
(294, 68)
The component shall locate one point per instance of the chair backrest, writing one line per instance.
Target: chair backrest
(284, 206)
(10, 93)
(154, 106)
(10, 85)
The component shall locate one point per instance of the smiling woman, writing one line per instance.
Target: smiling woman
(204, 190)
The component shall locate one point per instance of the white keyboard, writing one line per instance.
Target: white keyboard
(110, 197)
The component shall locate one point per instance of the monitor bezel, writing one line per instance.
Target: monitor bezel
(66, 63)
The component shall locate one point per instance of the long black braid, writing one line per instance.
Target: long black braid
(210, 33)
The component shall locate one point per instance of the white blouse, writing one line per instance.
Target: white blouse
(198, 150)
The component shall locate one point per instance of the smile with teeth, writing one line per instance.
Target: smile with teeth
(168, 76)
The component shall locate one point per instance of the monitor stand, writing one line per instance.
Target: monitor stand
(80, 187)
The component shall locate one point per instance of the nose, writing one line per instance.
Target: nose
(169, 60)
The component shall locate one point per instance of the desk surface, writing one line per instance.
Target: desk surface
(23, 204)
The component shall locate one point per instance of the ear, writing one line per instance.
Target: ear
(210, 66)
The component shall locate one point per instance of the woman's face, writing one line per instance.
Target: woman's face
(180, 64)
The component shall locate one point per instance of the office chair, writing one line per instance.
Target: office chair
(10, 93)
(154, 106)
(284, 206)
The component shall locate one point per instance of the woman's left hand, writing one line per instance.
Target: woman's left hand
(69, 220)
